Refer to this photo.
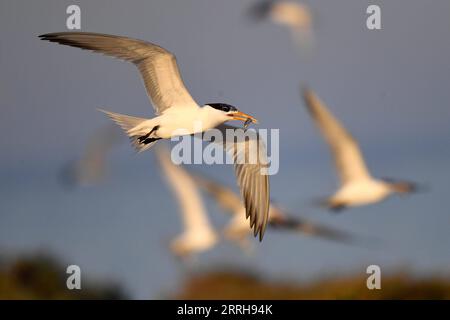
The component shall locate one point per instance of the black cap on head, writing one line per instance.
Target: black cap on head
(260, 10)
(222, 107)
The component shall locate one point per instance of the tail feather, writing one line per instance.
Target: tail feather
(141, 146)
(125, 122)
(129, 124)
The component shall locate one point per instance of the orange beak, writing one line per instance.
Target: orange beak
(243, 117)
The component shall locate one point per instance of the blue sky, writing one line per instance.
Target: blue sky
(389, 87)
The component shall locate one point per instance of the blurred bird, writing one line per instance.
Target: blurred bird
(177, 112)
(237, 229)
(91, 168)
(358, 187)
(295, 16)
(199, 235)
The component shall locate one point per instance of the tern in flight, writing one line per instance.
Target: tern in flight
(173, 104)
(295, 16)
(177, 112)
(199, 235)
(358, 187)
(238, 230)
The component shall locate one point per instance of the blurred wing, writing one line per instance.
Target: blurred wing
(347, 156)
(158, 66)
(250, 162)
(237, 228)
(280, 220)
(227, 199)
(91, 167)
(191, 205)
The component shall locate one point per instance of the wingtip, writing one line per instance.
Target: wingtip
(305, 89)
(46, 36)
(102, 110)
(307, 95)
(58, 37)
(261, 235)
(255, 231)
(258, 231)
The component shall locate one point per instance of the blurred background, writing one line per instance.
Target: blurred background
(390, 88)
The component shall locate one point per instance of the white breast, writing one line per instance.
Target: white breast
(187, 121)
(362, 192)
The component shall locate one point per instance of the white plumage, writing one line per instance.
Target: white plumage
(357, 186)
(177, 112)
(198, 234)
(237, 229)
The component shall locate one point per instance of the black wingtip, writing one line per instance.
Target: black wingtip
(53, 37)
(45, 36)
(261, 230)
(261, 235)
(260, 10)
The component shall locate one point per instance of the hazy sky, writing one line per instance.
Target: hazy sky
(390, 88)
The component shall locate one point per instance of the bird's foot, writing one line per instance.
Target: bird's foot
(146, 138)
(150, 140)
(143, 138)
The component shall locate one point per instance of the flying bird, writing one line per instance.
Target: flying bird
(174, 106)
(199, 235)
(261, 9)
(295, 16)
(177, 112)
(237, 229)
(357, 186)
(288, 13)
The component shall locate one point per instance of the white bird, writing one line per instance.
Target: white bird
(237, 229)
(295, 16)
(177, 112)
(357, 187)
(199, 235)
(173, 104)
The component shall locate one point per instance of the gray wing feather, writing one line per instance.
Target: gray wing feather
(251, 178)
(158, 67)
(347, 156)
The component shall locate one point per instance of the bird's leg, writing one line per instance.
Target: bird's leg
(145, 138)
(142, 138)
(150, 140)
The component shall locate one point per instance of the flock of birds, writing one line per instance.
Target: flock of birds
(175, 109)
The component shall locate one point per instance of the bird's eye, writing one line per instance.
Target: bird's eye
(222, 107)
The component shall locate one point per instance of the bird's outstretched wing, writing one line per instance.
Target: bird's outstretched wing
(280, 220)
(158, 67)
(250, 166)
(227, 199)
(347, 156)
(194, 215)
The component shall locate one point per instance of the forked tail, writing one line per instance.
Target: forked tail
(142, 137)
